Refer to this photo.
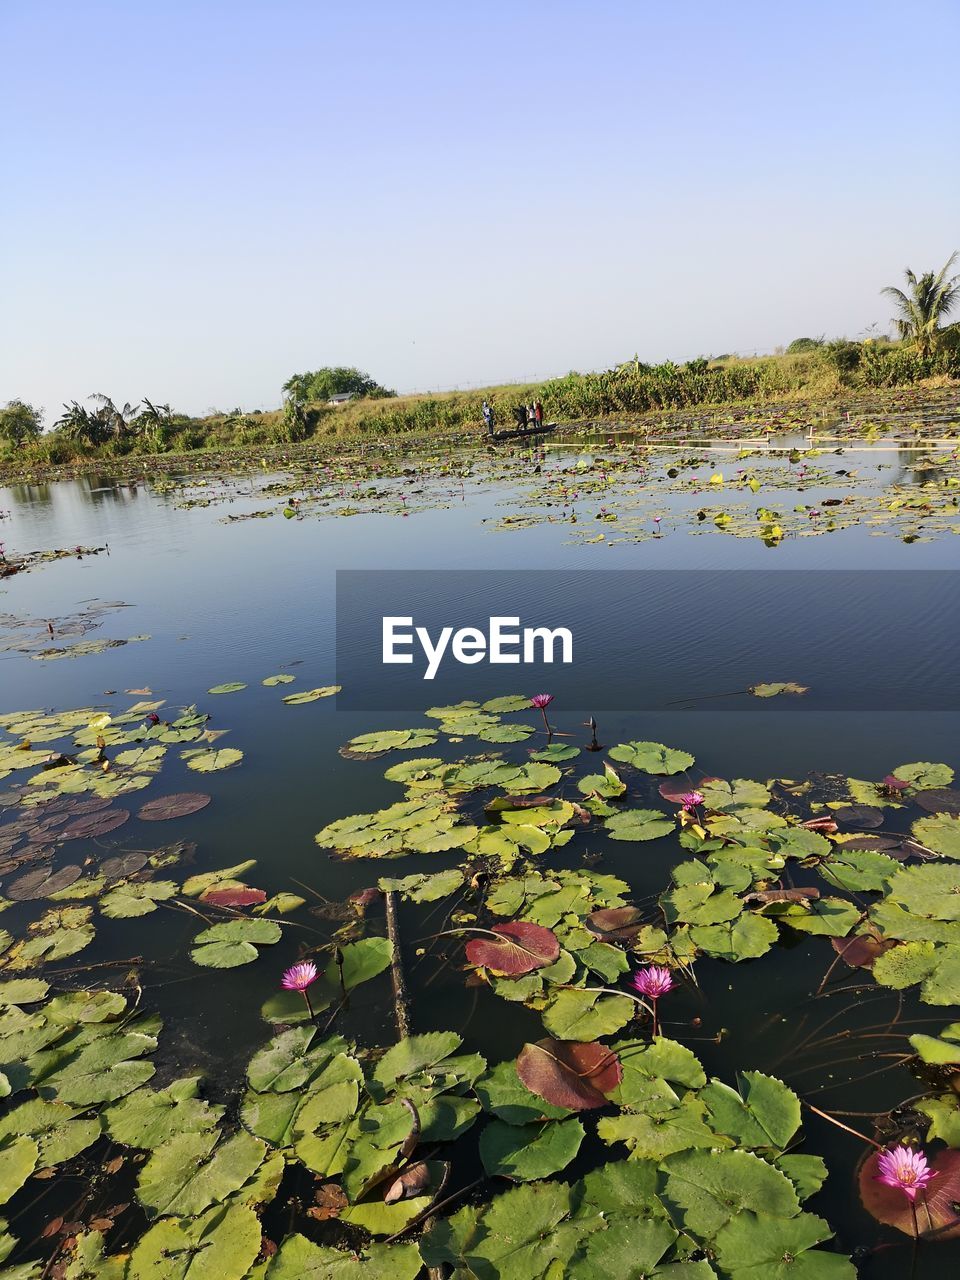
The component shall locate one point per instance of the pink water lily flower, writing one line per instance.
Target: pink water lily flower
(691, 799)
(299, 976)
(543, 700)
(654, 981)
(905, 1168)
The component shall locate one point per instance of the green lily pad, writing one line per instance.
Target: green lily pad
(639, 824)
(527, 1152)
(311, 695)
(211, 760)
(652, 757)
(225, 946)
(940, 833)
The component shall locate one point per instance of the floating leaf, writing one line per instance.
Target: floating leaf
(575, 1014)
(283, 678)
(755, 1245)
(639, 824)
(936, 1206)
(148, 1118)
(652, 757)
(774, 690)
(42, 883)
(235, 687)
(220, 1244)
(23, 991)
(95, 824)
(923, 775)
(940, 833)
(527, 1152)
(175, 806)
(311, 695)
(225, 946)
(192, 1171)
(939, 800)
(301, 1259)
(212, 760)
(241, 896)
(570, 1075)
(136, 898)
(518, 947)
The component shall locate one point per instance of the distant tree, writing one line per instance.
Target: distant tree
(115, 421)
(928, 300)
(20, 422)
(80, 425)
(799, 345)
(321, 384)
(153, 420)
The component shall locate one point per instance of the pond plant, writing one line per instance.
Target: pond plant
(605, 1146)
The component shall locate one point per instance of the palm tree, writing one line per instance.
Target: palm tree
(929, 299)
(115, 421)
(153, 420)
(78, 423)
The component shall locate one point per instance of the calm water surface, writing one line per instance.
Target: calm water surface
(242, 600)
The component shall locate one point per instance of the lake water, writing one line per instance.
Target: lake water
(676, 614)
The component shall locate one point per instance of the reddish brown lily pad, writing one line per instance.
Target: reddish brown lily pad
(517, 948)
(414, 1181)
(863, 950)
(125, 864)
(936, 1219)
(41, 883)
(95, 824)
(175, 806)
(859, 815)
(615, 924)
(241, 896)
(939, 800)
(568, 1073)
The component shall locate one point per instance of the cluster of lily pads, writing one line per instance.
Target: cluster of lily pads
(800, 467)
(602, 1147)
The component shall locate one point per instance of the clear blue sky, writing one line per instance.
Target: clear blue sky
(202, 198)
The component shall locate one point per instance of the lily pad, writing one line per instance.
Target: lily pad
(226, 946)
(518, 947)
(311, 695)
(566, 1074)
(211, 760)
(174, 806)
(652, 757)
(527, 1152)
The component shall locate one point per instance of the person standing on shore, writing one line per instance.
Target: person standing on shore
(488, 418)
(538, 412)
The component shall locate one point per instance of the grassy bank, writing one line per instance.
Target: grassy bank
(633, 391)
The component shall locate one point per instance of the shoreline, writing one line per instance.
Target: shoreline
(656, 423)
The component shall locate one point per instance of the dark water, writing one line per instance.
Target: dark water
(241, 601)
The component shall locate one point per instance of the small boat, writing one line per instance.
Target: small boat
(521, 433)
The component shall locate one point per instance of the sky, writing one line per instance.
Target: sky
(202, 198)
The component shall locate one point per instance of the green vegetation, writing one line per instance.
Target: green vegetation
(319, 386)
(799, 345)
(922, 310)
(19, 424)
(811, 368)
